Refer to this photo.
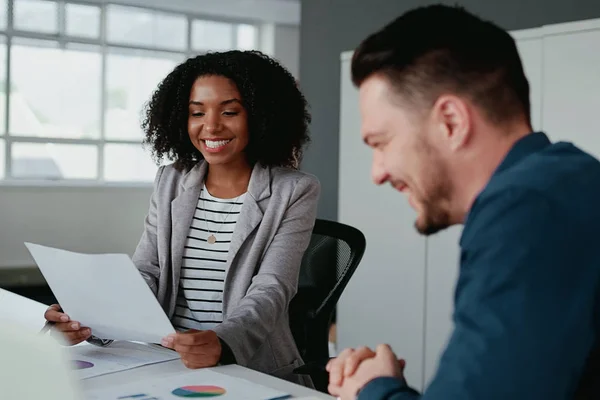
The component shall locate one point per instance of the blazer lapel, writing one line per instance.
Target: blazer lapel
(182, 211)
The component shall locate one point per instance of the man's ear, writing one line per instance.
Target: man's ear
(451, 115)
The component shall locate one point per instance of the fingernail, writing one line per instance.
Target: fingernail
(166, 342)
(64, 318)
(74, 326)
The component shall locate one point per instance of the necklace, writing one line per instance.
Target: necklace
(212, 239)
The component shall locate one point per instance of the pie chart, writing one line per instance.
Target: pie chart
(79, 364)
(198, 391)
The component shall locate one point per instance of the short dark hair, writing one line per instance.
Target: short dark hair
(278, 116)
(438, 48)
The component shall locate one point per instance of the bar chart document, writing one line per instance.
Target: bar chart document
(104, 292)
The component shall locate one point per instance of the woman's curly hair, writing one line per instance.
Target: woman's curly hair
(277, 111)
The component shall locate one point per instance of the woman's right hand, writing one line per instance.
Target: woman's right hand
(73, 332)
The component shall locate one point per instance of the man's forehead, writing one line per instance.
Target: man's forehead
(375, 87)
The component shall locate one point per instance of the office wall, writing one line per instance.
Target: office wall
(78, 218)
(283, 43)
(331, 27)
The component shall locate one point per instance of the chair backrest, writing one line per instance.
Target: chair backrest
(589, 384)
(334, 252)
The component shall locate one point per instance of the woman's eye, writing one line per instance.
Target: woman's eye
(230, 113)
(197, 114)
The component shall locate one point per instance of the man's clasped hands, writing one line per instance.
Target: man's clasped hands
(354, 368)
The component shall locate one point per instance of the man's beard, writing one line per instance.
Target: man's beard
(432, 223)
(434, 217)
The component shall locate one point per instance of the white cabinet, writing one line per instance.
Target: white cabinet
(572, 88)
(529, 44)
(403, 291)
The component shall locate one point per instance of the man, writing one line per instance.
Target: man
(445, 108)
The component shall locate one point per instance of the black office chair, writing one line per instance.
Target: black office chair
(589, 384)
(333, 255)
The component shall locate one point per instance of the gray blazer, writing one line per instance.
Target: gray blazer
(272, 232)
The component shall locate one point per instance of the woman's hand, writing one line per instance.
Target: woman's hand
(71, 330)
(198, 349)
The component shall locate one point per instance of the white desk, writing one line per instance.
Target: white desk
(176, 367)
(31, 313)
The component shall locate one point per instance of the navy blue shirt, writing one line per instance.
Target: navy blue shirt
(527, 300)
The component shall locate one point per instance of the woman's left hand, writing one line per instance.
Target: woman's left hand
(198, 349)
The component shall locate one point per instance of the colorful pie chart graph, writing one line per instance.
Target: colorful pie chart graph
(198, 391)
(79, 364)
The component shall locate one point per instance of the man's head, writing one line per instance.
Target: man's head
(439, 88)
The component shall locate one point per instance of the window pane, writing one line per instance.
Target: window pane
(36, 15)
(54, 161)
(130, 81)
(126, 162)
(2, 154)
(59, 94)
(246, 37)
(3, 85)
(3, 14)
(135, 26)
(83, 21)
(210, 35)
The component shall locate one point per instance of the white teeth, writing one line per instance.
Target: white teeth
(213, 144)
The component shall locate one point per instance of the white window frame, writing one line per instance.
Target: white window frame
(62, 39)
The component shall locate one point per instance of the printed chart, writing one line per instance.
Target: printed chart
(80, 364)
(89, 360)
(197, 384)
(199, 391)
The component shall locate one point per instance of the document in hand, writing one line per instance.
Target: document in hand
(104, 292)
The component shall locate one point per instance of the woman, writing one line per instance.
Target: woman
(230, 219)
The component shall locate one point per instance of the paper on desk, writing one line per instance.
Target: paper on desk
(89, 361)
(104, 292)
(21, 310)
(198, 383)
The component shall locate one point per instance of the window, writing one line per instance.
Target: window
(36, 16)
(78, 77)
(130, 79)
(212, 35)
(82, 21)
(135, 26)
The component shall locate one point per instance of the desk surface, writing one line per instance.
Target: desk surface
(31, 314)
(176, 367)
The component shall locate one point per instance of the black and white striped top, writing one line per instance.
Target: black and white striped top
(200, 298)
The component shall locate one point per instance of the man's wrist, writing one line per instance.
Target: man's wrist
(382, 387)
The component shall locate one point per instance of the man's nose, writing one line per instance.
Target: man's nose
(378, 171)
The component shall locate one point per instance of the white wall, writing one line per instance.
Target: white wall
(382, 304)
(402, 294)
(86, 219)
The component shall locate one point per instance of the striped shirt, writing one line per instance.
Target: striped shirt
(203, 268)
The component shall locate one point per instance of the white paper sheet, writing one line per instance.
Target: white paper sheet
(89, 360)
(21, 310)
(104, 292)
(188, 385)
